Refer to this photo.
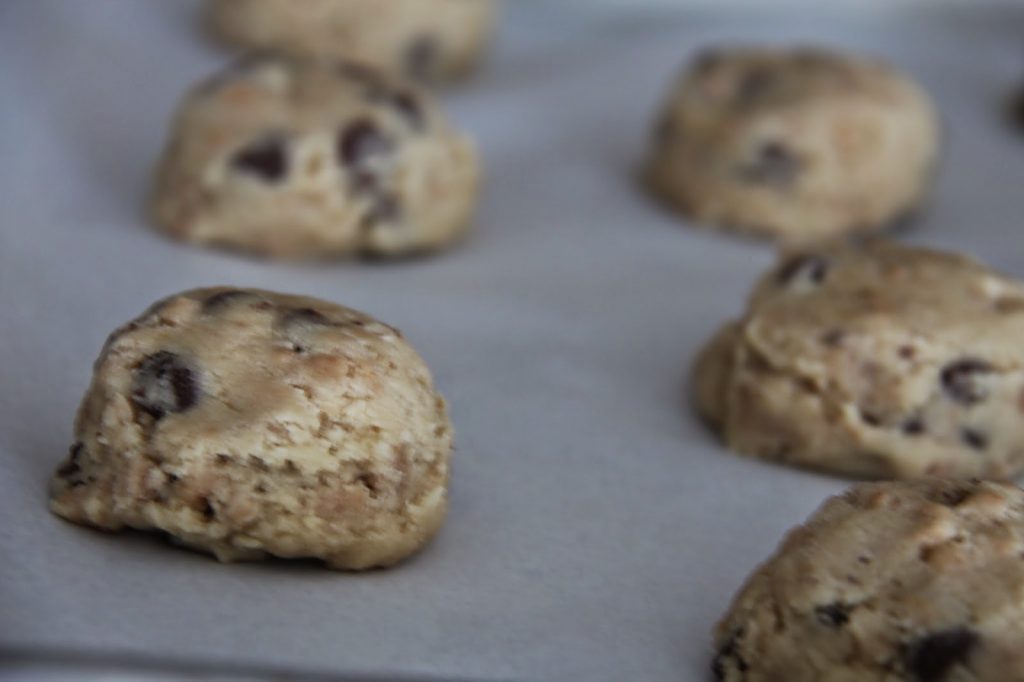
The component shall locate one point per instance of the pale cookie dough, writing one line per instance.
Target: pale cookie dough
(430, 40)
(796, 145)
(297, 159)
(876, 360)
(891, 582)
(245, 423)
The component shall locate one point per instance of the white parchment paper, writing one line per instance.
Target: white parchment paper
(597, 530)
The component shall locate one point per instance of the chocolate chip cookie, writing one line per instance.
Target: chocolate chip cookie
(430, 41)
(874, 360)
(297, 159)
(796, 145)
(245, 423)
(891, 582)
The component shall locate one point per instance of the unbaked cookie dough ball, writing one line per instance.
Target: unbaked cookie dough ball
(297, 159)
(429, 40)
(874, 360)
(891, 582)
(795, 145)
(247, 423)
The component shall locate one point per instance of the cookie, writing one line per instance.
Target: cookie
(875, 360)
(429, 41)
(795, 145)
(247, 423)
(891, 582)
(296, 159)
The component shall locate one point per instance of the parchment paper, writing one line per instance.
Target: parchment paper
(597, 530)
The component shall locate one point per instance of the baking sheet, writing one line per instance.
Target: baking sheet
(597, 530)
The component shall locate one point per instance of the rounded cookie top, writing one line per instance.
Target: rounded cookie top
(429, 41)
(295, 158)
(877, 360)
(245, 422)
(911, 581)
(798, 145)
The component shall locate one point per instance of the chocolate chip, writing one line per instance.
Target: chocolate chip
(914, 426)
(931, 658)
(754, 85)
(163, 383)
(369, 481)
(422, 56)
(803, 267)
(870, 418)
(205, 507)
(774, 165)
(383, 204)
(833, 338)
(385, 207)
(71, 468)
(304, 316)
(359, 142)
(408, 107)
(833, 615)
(959, 379)
(976, 439)
(728, 654)
(223, 298)
(953, 497)
(266, 158)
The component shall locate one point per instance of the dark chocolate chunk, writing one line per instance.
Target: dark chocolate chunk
(976, 439)
(266, 158)
(163, 383)
(71, 468)
(932, 658)
(754, 85)
(304, 316)
(833, 615)
(913, 426)
(774, 165)
(360, 141)
(959, 379)
(870, 418)
(223, 298)
(422, 57)
(952, 497)
(408, 107)
(728, 655)
(833, 338)
(805, 266)
(369, 481)
(205, 508)
(384, 205)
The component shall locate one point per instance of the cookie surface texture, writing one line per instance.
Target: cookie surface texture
(891, 582)
(296, 159)
(794, 145)
(247, 423)
(874, 360)
(432, 41)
